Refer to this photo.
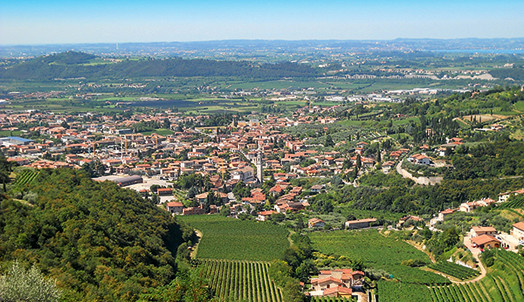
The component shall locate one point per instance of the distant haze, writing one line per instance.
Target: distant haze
(60, 21)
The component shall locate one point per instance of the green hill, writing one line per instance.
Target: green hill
(100, 242)
(73, 65)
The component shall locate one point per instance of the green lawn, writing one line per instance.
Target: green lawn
(376, 251)
(233, 239)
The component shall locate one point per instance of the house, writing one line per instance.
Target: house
(479, 230)
(518, 232)
(336, 283)
(408, 218)
(419, 159)
(485, 242)
(468, 206)
(360, 224)
(243, 174)
(315, 223)
(445, 213)
(264, 215)
(315, 188)
(504, 196)
(194, 211)
(175, 207)
(386, 167)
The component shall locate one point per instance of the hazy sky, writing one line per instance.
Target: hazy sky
(62, 21)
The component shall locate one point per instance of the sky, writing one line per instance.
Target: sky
(99, 21)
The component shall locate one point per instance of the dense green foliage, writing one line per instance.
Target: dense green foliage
(455, 270)
(426, 199)
(100, 242)
(504, 282)
(20, 284)
(377, 251)
(233, 239)
(500, 158)
(72, 65)
(241, 280)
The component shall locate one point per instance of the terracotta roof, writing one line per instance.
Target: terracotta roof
(483, 229)
(483, 239)
(338, 289)
(519, 225)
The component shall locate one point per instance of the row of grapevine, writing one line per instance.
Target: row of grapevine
(505, 282)
(27, 176)
(235, 280)
(512, 204)
(454, 270)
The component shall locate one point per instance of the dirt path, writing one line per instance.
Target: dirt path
(421, 249)
(195, 248)
(419, 180)
(475, 253)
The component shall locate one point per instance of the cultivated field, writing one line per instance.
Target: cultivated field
(377, 251)
(233, 239)
(241, 280)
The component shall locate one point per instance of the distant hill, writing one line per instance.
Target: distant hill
(73, 65)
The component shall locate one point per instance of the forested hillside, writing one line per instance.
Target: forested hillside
(100, 242)
(75, 65)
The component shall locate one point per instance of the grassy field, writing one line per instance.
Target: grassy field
(233, 239)
(376, 251)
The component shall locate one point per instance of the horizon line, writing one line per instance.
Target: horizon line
(268, 40)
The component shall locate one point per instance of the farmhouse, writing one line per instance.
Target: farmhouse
(315, 223)
(479, 230)
(336, 283)
(420, 159)
(360, 224)
(264, 215)
(504, 196)
(518, 231)
(485, 242)
(175, 207)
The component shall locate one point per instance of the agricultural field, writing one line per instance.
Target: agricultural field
(233, 280)
(233, 239)
(454, 270)
(389, 291)
(377, 251)
(27, 176)
(504, 282)
(516, 202)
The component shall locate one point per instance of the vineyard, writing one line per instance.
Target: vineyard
(513, 203)
(389, 291)
(377, 251)
(233, 239)
(504, 282)
(454, 270)
(26, 177)
(234, 280)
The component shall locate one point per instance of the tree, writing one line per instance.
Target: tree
(329, 141)
(22, 284)
(5, 169)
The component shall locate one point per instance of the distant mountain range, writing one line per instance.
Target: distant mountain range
(263, 47)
